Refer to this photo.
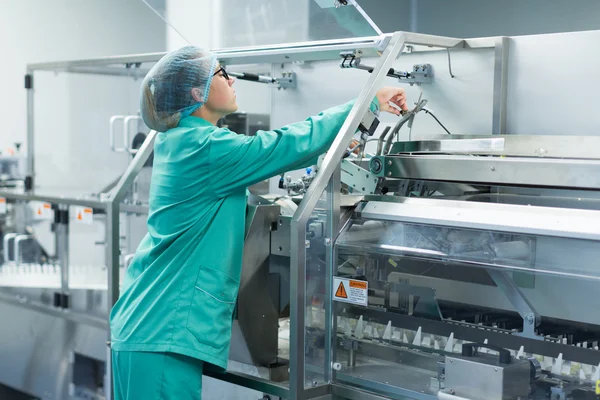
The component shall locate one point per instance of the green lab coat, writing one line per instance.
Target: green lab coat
(180, 290)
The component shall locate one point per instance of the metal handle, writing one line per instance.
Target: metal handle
(127, 133)
(111, 133)
(128, 259)
(18, 241)
(470, 350)
(7, 238)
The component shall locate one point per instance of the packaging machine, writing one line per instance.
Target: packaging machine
(441, 267)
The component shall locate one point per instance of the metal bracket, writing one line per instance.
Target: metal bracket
(287, 81)
(358, 178)
(421, 73)
(531, 318)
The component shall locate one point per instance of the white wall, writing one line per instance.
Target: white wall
(71, 111)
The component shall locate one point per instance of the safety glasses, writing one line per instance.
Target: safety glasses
(222, 72)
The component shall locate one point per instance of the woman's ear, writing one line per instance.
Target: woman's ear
(197, 95)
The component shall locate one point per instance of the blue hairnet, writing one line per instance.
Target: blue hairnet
(167, 89)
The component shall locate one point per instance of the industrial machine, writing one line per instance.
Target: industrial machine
(440, 267)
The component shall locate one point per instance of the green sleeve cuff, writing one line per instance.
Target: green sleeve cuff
(375, 106)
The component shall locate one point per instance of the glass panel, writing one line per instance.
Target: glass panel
(316, 292)
(239, 23)
(433, 290)
(446, 245)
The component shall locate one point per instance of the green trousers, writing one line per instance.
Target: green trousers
(156, 376)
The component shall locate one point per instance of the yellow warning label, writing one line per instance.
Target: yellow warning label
(351, 291)
(358, 284)
(341, 292)
(84, 215)
(598, 387)
(43, 210)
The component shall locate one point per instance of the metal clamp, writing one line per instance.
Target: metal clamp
(421, 73)
(287, 81)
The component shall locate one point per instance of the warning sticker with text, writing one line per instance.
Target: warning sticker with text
(43, 211)
(351, 291)
(2, 205)
(84, 215)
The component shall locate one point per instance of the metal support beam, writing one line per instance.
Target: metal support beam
(531, 318)
(117, 194)
(62, 245)
(332, 230)
(134, 72)
(500, 86)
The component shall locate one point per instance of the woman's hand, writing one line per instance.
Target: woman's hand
(392, 100)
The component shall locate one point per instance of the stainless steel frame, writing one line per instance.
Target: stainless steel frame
(537, 146)
(500, 86)
(535, 172)
(326, 177)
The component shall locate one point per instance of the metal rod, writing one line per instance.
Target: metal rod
(414, 16)
(333, 227)
(30, 133)
(136, 165)
(252, 77)
(307, 51)
(242, 53)
(108, 376)
(62, 239)
(135, 73)
(516, 297)
(112, 244)
(351, 357)
(500, 86)
(300, 218)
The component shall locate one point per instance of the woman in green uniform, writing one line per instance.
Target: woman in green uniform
(178, 295)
